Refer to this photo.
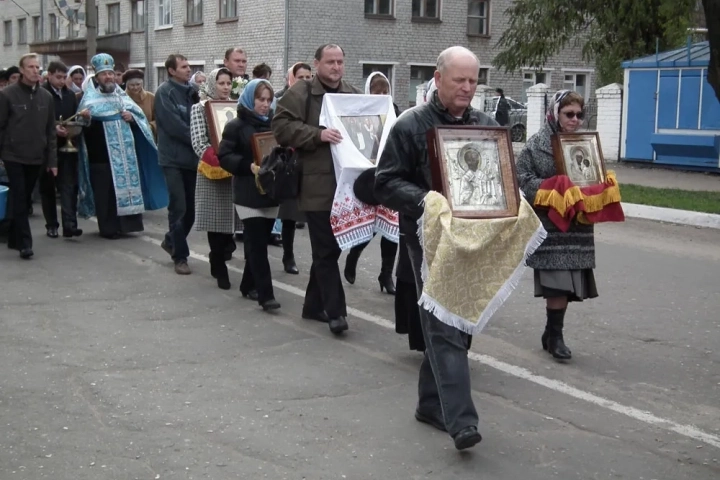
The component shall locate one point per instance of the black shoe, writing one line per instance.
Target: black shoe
(467, 437)
(351, 262)
(555, 345)
(320, 317)
(26, 253)
(72, 232)
(271, 304)
(52, 232)
(431, 420)
(386, 282)
(338, 325)
(290, 266)
(251, 295)
(300, 225)
(276, 240)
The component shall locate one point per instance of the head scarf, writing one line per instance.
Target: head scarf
(208, 90)
(553, 111)
(193, 83)
(72, 70)
(369, 81)
(247, 99)
(430, 90)
(291, 76)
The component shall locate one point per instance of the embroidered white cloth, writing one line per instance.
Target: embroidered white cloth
(364, 122)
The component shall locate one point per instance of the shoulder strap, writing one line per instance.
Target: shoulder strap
(307, 101)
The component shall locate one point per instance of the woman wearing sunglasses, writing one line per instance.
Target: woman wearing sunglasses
(565, 261)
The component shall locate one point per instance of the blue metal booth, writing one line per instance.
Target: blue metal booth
(671, 115)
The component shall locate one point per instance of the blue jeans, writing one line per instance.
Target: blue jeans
(181, 210)
(444, 383)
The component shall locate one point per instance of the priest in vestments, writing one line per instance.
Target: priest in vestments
(119, 174)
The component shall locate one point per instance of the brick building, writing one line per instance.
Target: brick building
(402, 38)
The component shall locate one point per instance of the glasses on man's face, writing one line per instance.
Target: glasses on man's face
(571, 115)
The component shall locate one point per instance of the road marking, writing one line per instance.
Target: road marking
(688, 431)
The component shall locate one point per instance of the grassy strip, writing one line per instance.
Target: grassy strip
(696, 201)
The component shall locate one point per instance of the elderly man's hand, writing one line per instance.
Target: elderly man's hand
(127, 116)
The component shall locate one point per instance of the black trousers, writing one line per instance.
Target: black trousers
(324, 290)
(288, 239)
(256, 275)
(66, 183)
(220, 245)
(22, 181)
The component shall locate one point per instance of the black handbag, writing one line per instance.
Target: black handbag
(279, 174)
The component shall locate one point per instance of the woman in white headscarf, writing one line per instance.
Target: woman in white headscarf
(376, 84)
(75, 78)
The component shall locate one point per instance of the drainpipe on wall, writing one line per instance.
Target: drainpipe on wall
(42, 28)
(286, 53)
(148, 64)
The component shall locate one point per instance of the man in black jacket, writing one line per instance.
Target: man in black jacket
(27, 144)
(66, 181)
(402, 180)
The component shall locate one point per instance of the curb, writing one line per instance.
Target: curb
(670, 215)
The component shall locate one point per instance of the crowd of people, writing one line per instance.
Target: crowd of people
(139, 151)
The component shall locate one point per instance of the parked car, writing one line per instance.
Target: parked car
(518, 117)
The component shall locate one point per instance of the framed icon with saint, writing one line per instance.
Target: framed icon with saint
(218, 114)
(579, 156)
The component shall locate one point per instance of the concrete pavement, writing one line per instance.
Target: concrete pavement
(116, 368)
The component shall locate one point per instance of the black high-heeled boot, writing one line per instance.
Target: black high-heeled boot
(351, 265)
(288, 241)
(385, 279)
(552, 339)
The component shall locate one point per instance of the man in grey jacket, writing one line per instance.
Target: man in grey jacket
(173, 101)
(27, 144)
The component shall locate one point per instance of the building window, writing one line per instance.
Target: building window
(73, 29)
(162, 75)
(138, 15)
(419, 75)
(8, 32)
(37, 31)
(385, 69)
(576, 82)
(164, 13)
(22, 31)
(379, 7)
(194, 14)
(54, 26)
(228, 8)
(426, 9)
(113, 18)
(197, 68)
(478, 18)
(533, 78)
(484, 76)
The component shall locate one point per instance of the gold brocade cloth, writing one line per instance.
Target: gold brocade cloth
(470, 267)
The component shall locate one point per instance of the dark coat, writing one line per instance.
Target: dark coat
(402, 177)
(571, 250)
(27, 126)
(236, 156)
(173, 102)
(66, 106)
(293, 129)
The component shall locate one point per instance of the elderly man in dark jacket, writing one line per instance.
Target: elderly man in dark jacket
(296, 124)
(402, 180)
(173, 102)
(27, 144)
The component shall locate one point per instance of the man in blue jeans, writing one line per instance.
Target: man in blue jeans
(173, 101)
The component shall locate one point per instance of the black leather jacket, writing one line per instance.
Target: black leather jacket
(403, 177)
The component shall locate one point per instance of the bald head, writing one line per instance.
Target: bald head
(456, 79)
(455, 55)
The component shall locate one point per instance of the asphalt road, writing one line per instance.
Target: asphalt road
(113, 367)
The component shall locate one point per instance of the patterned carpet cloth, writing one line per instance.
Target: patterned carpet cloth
(470, 267)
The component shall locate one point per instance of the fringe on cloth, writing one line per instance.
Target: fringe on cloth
(354, 222)
(446, 315)
(212, 173)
